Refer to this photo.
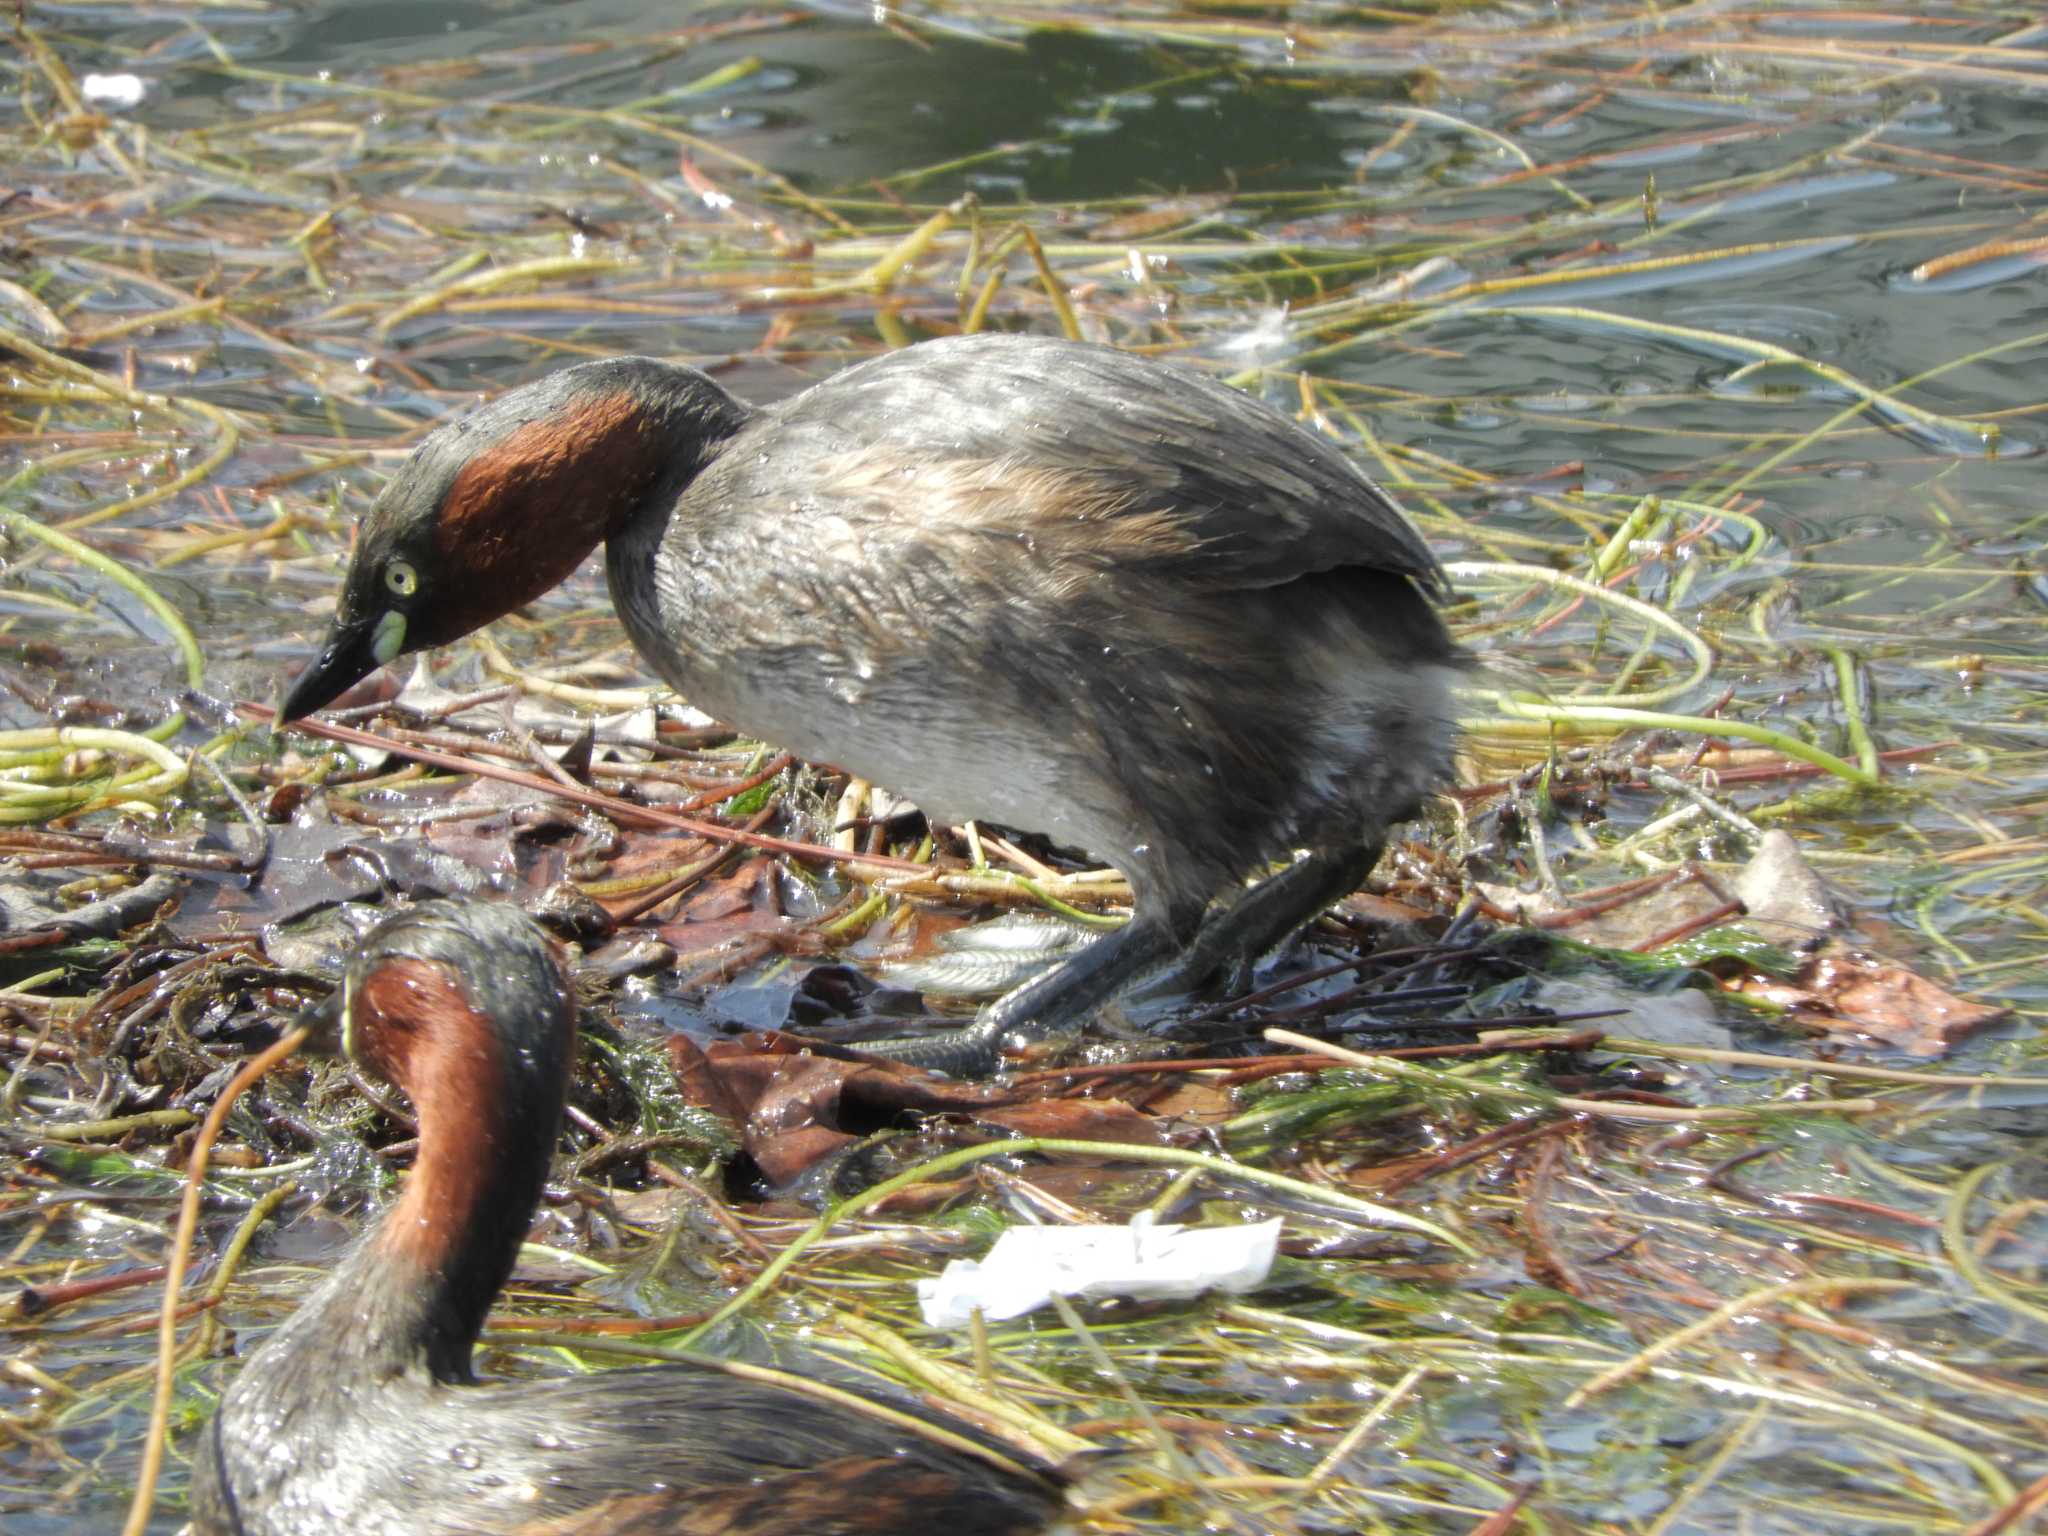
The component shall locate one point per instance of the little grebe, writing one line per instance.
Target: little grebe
(360, 1414)
(1036, 582)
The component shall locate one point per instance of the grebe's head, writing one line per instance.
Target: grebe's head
(495, 509)
(463, 1005)
(457, 1000)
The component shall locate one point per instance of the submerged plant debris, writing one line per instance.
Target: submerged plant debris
(1658, 1142)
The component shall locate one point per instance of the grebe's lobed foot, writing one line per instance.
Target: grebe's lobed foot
(1142, 958)
(1058, 1002)
(975, 1051)
(1228, 946)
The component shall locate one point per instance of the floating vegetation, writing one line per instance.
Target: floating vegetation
(1658, 1143)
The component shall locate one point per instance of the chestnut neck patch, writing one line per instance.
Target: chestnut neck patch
(523, 512)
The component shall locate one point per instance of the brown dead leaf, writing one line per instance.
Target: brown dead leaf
(795, 1105)
(1190, 1100)
(1842, 991)
(656, 854)
(1078, 1120)
(1383, 910)
(1636, 915)
(718, 911)
(792, 1105)
(1169, 213)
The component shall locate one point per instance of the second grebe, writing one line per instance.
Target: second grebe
(361, 1415)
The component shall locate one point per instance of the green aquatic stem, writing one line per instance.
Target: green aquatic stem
(227, 439)
(1486, 135)
(171, 769)
(1464, 298)
(1651, 616)
(1852, 710)
(954, 1385)
(1955, 1242)
(1817, 1067)
(86, 378)
(36, 469)
(1568, 508)
(1460, 1081)
(1726, 342)
(1926, 909)
(1170, 1452)
(44, 744)
(121, 576)
(1472, 1354)
(497, 279)
(22, 801)
(1570, 276)
(881, 273)
(1700, 725)
(1614, 554)
(1742, 1306)
(856, 920)
(1221, 1167)
(1052, 903)
(551, 112)
(1759, 535)
(703, 85)
(2032, 341)
(265, 1206)
(1625, 710)
(108, 1130)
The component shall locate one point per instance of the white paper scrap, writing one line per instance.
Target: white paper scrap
(1145, 1261)
(117, 91)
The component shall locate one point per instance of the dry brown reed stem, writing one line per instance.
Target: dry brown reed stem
(1721, 1316)
(623, 810)
(174, 1279)
(2031, 1500)
(1940, 266)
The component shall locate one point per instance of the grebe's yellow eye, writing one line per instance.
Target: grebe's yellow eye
(401, 578)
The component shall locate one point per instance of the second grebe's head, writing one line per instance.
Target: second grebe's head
(459, 987)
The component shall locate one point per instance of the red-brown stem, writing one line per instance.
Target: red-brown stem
(611, 805)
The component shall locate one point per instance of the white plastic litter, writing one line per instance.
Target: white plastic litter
(1145, 1261)
(117, 91)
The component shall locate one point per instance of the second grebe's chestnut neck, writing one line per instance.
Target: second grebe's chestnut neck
(462, 1008)
(359, 1413)
(498, 508)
